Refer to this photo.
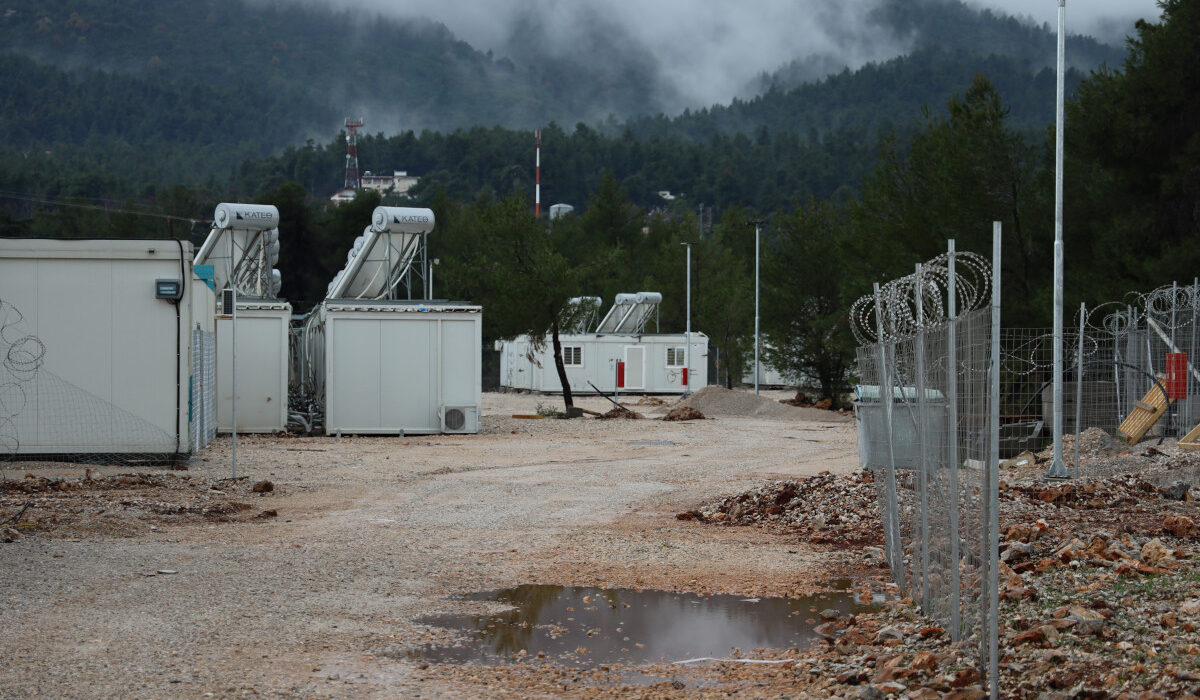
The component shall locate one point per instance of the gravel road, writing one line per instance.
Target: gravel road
(371, 534)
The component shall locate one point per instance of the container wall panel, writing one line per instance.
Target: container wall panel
(408, 374)
(352, 379)
(262, 356)
(460, 362)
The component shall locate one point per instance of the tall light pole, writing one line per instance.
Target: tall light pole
(757, 228)
(687, 351)
(1058, 469)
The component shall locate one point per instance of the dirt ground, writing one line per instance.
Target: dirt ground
(191, 584)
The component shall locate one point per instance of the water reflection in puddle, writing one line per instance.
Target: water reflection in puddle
(587, 627)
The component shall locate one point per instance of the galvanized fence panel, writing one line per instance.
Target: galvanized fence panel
(926, 423)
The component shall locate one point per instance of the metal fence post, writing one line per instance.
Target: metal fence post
(922, 440)
(1174, 303)
(992, 469)
(1079, 390)
(896, 549)
(952, 421)
(1187, 404)
(1116, 331)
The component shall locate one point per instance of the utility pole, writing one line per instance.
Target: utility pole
(687, 351)
(1058, 468)
(757, 336)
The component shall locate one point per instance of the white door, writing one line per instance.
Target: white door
(635, 367)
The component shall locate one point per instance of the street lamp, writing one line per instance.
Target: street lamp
(687, 351)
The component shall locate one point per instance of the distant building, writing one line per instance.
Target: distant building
(343, 195)
(399, 182)
(557, 211)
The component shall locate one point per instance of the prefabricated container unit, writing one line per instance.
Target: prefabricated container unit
(262, 366)
(96, 340)
(767, 375)
(239, 254)
(397, 367)
(374, 363)
(649, 363)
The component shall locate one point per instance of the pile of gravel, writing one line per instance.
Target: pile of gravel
(719, 401)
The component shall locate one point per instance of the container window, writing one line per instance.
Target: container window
(676, 356)
(572, 355)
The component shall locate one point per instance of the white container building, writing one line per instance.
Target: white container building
(384, 365)
(96, 341)
(767, 375)
(242, 249)
(617, 356)
(262, 366)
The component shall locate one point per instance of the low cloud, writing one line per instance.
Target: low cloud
(705, 52)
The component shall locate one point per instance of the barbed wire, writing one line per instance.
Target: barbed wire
(1162, 301)
(898, 299)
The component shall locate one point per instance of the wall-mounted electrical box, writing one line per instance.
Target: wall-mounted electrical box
(171, 290)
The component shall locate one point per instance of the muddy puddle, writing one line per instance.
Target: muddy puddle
(588, 627)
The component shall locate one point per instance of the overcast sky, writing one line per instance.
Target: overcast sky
(1104, 19)
(711, 49)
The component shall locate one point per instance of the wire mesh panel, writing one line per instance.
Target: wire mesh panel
(203, 418)
(1129, 373)
(1169, 322)
(967, 471)
(925, 427)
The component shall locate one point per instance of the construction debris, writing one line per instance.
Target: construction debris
(800, 400)
(827, 508)
(1094, 443)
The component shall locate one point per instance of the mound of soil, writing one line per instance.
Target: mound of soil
(620, 413)
(683, 413)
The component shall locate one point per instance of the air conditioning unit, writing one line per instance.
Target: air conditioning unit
(459, 419)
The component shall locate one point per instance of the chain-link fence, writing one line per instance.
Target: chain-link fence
(927, 409)
(1128, 372)
(203, 404)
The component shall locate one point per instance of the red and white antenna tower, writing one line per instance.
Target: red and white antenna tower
(537, 176)
(352, 127)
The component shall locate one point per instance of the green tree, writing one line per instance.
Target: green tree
(960, 174)
(806, 293)
(517, 272)
(1133, 161)
(723, 293)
